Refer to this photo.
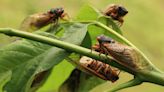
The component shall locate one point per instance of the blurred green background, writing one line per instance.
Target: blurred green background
(143, 26)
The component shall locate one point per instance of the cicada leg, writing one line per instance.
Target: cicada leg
(95, 47)
(117, 70)
(120, 22)
(53, 24)
(64, 18)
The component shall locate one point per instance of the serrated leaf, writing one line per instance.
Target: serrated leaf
(27, 58)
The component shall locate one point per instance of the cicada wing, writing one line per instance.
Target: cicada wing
(26, 25)
(35, 21)
(127, 57)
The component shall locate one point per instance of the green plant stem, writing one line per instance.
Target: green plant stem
(133, 82)
(121, 37)
(151, 76)
(156, 77)
(64, 45)
(127, 42)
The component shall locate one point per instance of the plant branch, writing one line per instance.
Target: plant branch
(131, 83)
(119, 36)
(122, 38)
(147, 76)
(152, 76)
(64, 45)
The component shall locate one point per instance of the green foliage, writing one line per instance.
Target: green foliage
(25, 59)
(87, 13)
(58, 75)
(26, 64)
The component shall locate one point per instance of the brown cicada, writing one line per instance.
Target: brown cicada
(122, 53)
(39, 20)
(100, 69)
(116, 12)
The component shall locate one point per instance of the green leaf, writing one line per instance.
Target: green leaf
(26, 58)
(110, 23)
(79, 81)
(94, 31)
(76, 81)
(86, 13)
(71, 84)
(77, 30)
(88, 82)
(63, 70)
(58, 75)
(87, 42)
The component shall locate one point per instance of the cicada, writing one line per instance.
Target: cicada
(122, 53)
(40, 20)
(116, 12)
(99, 69)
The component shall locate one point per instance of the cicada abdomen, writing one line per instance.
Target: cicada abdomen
(100, 69)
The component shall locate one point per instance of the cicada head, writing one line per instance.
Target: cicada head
(104, 39)
(57, 12)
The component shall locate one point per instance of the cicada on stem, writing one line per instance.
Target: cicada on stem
(123, 54)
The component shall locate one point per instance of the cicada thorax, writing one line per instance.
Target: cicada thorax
(98, 48)
(100, 69)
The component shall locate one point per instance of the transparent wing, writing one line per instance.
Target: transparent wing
(35, 21)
